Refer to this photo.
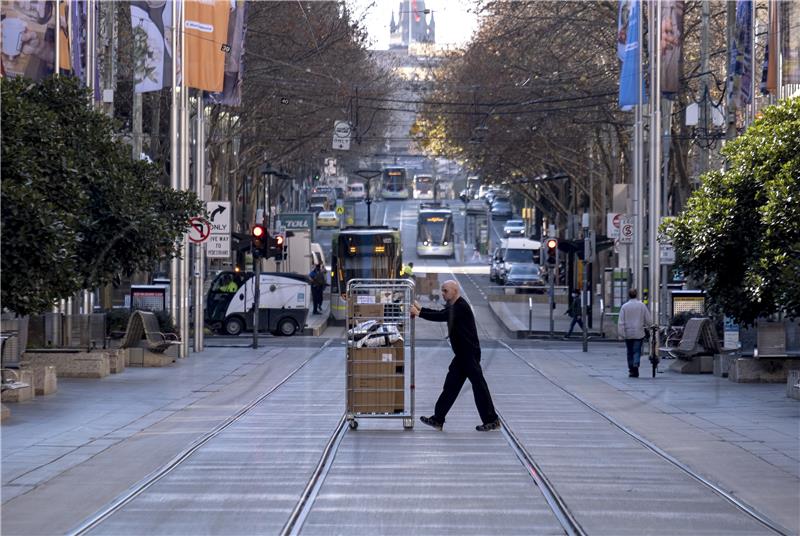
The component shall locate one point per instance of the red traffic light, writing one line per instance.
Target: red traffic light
(258, 231)
(552, 243)
(279, 240)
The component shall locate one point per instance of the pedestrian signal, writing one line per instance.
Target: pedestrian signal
(258, 240)
(551, 244)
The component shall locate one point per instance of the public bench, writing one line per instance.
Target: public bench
(145, 324)
(9, 378)
(698, 338)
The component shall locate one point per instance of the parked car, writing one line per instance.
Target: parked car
(327, 218)
(501, 208)
(316, 208)
(524, 275)
(514, 228)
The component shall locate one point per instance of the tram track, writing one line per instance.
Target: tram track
(151, 479)
(554, 500)
(734, 501)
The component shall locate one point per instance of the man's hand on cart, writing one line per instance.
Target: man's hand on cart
(415, 308)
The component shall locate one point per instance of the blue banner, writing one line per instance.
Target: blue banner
(631, 72)
(741, 58)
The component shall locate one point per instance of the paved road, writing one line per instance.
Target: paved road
(577, 414)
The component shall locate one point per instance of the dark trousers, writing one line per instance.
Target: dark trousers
(634, 348)
(462, 369)
(316, 297)
(575, 320)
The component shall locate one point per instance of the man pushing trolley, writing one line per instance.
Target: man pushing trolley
(466, 364)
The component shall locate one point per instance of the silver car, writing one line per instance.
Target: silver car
(514, 228)
(525, 275)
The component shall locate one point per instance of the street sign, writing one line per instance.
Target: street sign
(330, 167)
(219, 243)
(339, 210)
(613, 221)
(199, 230)
(589, 247)
(626, 231)
(666, 254)
(341, 135)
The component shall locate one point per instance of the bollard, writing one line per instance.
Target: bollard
(530, 316)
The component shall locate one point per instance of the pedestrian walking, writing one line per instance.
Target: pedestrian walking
(575, 311)
(634, 317)
(318, 284)
(466, 364)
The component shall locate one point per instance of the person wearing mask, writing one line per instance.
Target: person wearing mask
(634, 317)
(466, 364)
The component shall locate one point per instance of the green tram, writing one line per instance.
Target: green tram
(362, 253)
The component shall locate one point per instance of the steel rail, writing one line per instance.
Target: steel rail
(137, 489)
(303, 507)
(652, 447)
(554, 500)
(551, 496)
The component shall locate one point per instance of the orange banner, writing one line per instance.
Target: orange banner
(206, 33)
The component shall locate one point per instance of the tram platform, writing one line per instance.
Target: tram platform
(258, 442)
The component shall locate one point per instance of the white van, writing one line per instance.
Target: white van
(284, 300)
(518, 250)
(355, 190)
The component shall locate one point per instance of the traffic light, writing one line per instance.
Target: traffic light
(258, 240)
(551, 244)
(276, 245)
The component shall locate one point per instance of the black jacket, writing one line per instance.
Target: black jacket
(460, 326)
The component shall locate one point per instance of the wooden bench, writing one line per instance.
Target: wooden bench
(145, 324)
(698, 339)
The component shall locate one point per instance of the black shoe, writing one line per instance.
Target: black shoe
(489, 426)
(636, 372)
(430, 421)
(630, 373)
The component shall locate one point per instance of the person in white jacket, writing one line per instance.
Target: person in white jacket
(634, 317)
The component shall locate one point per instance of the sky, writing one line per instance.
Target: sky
(454, 23)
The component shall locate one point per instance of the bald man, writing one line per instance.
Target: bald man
(466, 364)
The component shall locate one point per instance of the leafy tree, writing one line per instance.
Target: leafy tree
(740, 233)
(77, 211)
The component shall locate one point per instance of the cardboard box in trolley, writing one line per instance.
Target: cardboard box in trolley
(376, 379)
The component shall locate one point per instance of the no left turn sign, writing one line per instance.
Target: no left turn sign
(199, 230)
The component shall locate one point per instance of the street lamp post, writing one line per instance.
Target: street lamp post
(368, 175)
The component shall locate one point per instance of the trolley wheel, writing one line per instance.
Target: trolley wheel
(353, 424)
(408, 423)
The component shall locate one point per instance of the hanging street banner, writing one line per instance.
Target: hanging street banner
(219, 242)
(206, 35)
(152, 45)
(231, 94)
(28, 32)
(671, 46)
(631, 73)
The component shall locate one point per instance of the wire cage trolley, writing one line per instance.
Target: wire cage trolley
(380, 350)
